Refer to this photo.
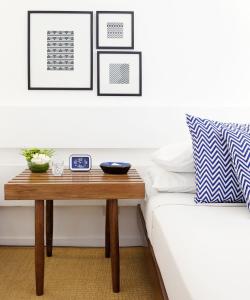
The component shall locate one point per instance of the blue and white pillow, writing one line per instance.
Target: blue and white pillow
(216, 180)
(238, 143)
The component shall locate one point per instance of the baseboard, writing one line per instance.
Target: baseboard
(71, 241)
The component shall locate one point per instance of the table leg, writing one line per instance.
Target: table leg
(114, 244)
(49, 227)
(39, 246)
(107, 230)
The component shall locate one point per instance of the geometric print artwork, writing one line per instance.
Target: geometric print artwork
(239, 146)
(115, 30)
(60, 50)
(119, 73)
(216, 180)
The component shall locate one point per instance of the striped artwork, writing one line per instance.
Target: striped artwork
(238, 143)
(216, 180)
(60, 50)
(119, 73)
(115, 30)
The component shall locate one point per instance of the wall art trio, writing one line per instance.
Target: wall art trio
(60, 52)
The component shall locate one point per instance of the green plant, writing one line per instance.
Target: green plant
(38, 168)
(29, 152)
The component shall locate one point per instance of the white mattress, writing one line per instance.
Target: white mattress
(156, 200)
(202, 251)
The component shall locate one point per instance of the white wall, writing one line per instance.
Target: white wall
(195, 59)
(194, 52)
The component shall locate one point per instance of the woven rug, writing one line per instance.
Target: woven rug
(73, 273)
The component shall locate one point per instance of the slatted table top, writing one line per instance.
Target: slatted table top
(75, 185)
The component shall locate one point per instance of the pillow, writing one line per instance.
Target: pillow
(216, 180)
(164, 181)
(238, 143)
(175, 157)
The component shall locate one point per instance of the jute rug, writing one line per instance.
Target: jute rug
(73, 273)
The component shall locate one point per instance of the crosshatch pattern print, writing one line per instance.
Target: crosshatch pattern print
(60, 50)
(119, 73)
(114, 30)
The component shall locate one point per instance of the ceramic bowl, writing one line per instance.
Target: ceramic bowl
(115, 167)
(35, 168)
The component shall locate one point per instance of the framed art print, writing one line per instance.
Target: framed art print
(60, 50)
(115, 30)
(119, 73)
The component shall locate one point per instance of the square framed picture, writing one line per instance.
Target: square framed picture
(119, 73)
(115, 30)
(60, 50)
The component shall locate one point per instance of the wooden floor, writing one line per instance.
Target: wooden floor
(74, 273)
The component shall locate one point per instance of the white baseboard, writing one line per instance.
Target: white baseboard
(69, 241)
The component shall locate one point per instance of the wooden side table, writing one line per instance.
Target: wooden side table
(75, 186)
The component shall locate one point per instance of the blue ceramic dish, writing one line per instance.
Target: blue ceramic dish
(112, 167)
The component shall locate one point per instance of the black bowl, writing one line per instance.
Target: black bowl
(115, 167)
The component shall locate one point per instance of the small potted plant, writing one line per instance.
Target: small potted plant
(38, 159)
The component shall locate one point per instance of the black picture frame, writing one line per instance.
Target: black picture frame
(98, 46)
(139, 53)
(30, 87)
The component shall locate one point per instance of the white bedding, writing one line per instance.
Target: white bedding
(156, 200)
(202, 250)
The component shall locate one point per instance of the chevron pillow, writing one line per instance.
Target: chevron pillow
(238, 143)
(216, 180)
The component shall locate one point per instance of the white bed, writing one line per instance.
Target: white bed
(202, 250)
